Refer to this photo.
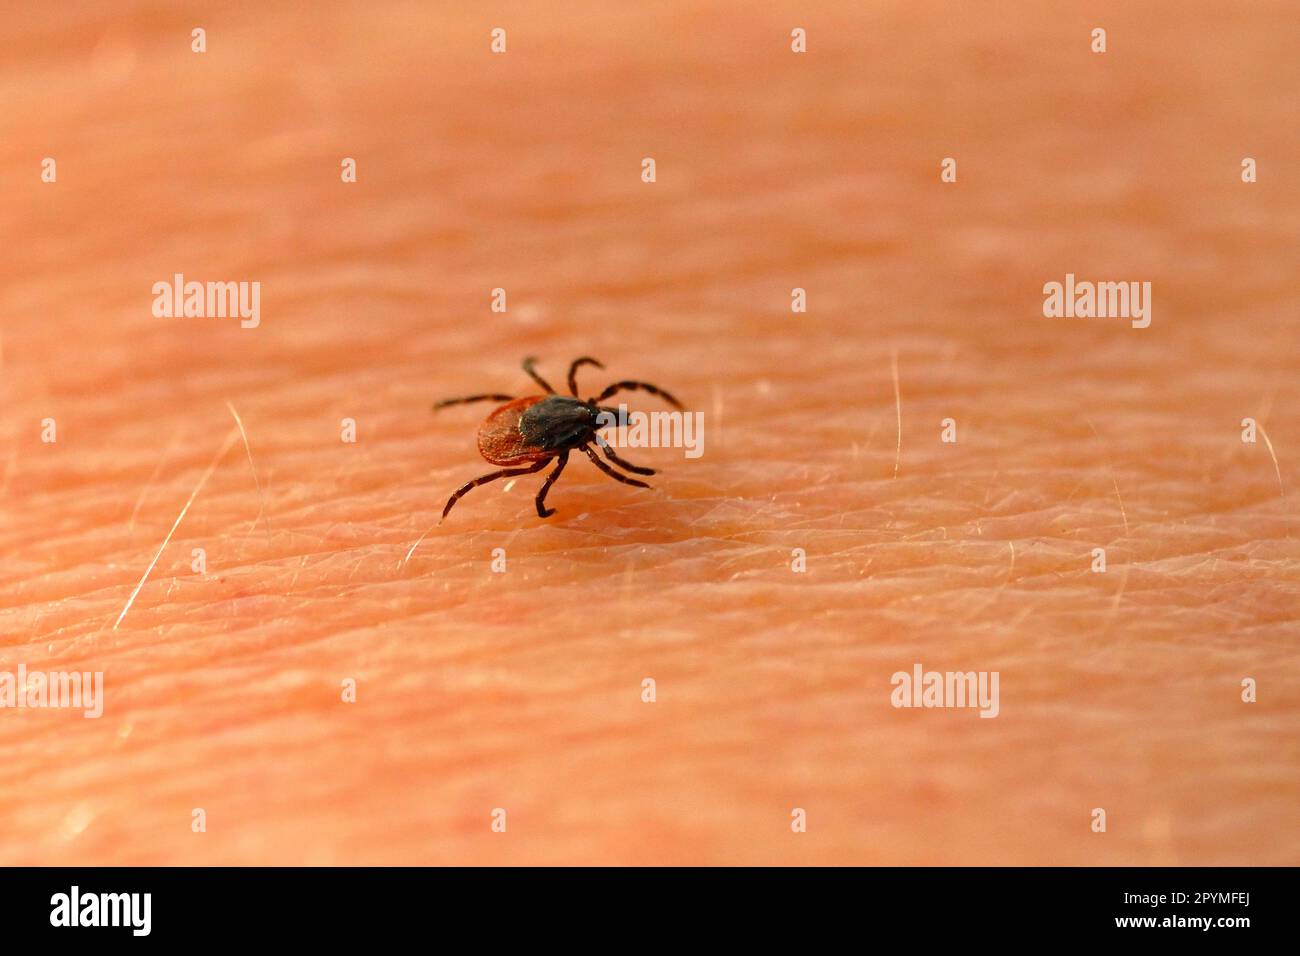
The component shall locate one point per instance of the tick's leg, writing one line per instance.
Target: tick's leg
(471, 398)
(577, 364)
(637, 386)
(617, 476)
(528, 367)
(626, 465)
(504, 473)
(542, 510)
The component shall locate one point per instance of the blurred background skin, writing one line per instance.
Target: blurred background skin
(522, 690)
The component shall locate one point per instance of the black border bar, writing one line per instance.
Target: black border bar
(329, 907)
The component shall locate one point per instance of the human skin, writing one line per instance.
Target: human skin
(522, 690)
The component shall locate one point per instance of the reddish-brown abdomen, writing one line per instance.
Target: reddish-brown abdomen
(499, 438)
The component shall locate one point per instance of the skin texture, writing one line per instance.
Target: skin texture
(522, 690)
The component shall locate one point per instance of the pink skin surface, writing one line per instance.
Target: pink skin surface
(522, 689)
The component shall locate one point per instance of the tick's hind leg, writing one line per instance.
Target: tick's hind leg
(625, 465)
(630, 386)
(542, 510)
(504, 473)
(472, 398)
(577, 364)
(532, 373)
(617, 476)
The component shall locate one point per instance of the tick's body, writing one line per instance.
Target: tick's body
(526, 433)
(536, 428)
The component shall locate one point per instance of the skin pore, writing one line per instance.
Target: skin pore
(522, 689)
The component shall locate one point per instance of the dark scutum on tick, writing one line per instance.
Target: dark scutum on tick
(526, 434)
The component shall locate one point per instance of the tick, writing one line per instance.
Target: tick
(525, 434)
